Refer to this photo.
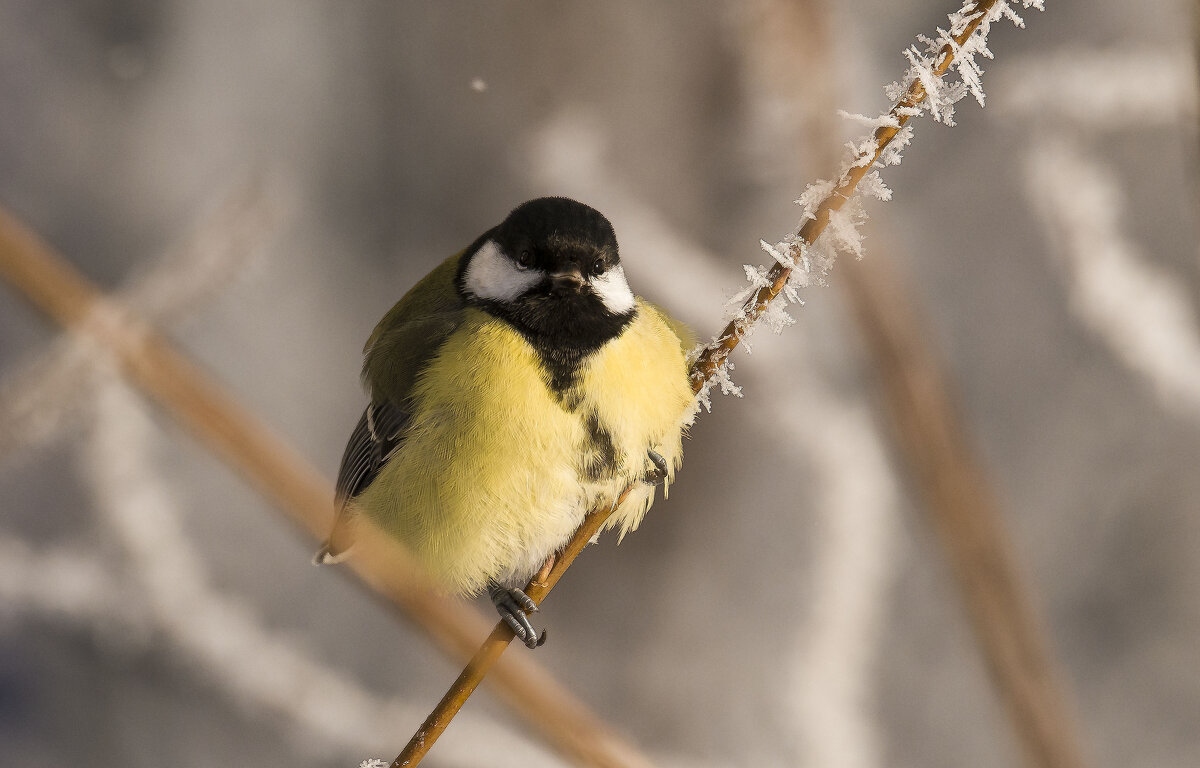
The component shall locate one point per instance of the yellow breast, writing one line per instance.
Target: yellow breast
(497, 470)
(637, 385)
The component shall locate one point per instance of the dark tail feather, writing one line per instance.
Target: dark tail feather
(341, 539)
(327, 555)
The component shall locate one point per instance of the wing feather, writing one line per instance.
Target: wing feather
(400, 347)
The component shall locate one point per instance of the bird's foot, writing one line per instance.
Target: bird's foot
(659, 472)
(514, 605)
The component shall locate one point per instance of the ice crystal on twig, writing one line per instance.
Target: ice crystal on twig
(801, 259)
(926, 62)
(812, 197)
(891, 154)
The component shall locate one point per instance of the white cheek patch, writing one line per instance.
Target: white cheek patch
(492, 275)
(613, 291)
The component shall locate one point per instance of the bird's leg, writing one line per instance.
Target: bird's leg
(544, 572)
(514, 605)
(659, 473)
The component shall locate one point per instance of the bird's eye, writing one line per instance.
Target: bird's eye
(598, 267)
(525, 259)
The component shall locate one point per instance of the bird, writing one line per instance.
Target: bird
(516, 387)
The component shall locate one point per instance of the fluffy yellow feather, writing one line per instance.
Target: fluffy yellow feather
(490, 483)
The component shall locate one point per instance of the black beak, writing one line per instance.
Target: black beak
(566, 281)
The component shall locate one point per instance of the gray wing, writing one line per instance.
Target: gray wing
(399, 348)
(395, 357)
(379, 433)
(377, 436)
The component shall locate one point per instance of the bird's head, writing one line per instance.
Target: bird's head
(552, 269)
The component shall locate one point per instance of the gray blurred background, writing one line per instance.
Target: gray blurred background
(789, 605)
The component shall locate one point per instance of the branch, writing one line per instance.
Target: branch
(712, 358)
(709, 364)
(919, 398)
(968, 522)
(48, 394)
(826, 680)
(537, 589)
(284, 477)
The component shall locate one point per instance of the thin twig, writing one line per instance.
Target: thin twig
(537, 589)
(289, 481)
(714, 355)
(705, 369)
(920, 401)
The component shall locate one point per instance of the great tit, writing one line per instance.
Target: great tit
(516, 387)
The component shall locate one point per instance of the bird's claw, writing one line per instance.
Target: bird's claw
(514, 607)
(659, 473)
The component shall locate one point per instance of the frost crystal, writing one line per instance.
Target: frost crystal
(374, 762)
(735, 305)
(822, 255)
(814, 194)
(861, 153)
(776, 317)
(722, 380)
(872, 185)
(703, 400)
(927, 63)
(778, 252)
(719, 379)
(891, 154)
(843, 228)
(873, 123)
(757, 276)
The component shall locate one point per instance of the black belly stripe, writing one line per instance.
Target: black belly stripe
(562, 368)
(602, 460)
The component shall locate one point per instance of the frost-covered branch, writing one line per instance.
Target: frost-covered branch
(832, 210)
(802, 258)
(826, 677)
(918, 396)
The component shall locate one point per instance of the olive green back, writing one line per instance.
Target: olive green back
(411, 332)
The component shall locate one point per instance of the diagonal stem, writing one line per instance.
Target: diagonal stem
(473, 674)
(714, 355)
(703, 370)
(918, 397)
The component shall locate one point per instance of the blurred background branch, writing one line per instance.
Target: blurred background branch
(51, 392)
(244, 442)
